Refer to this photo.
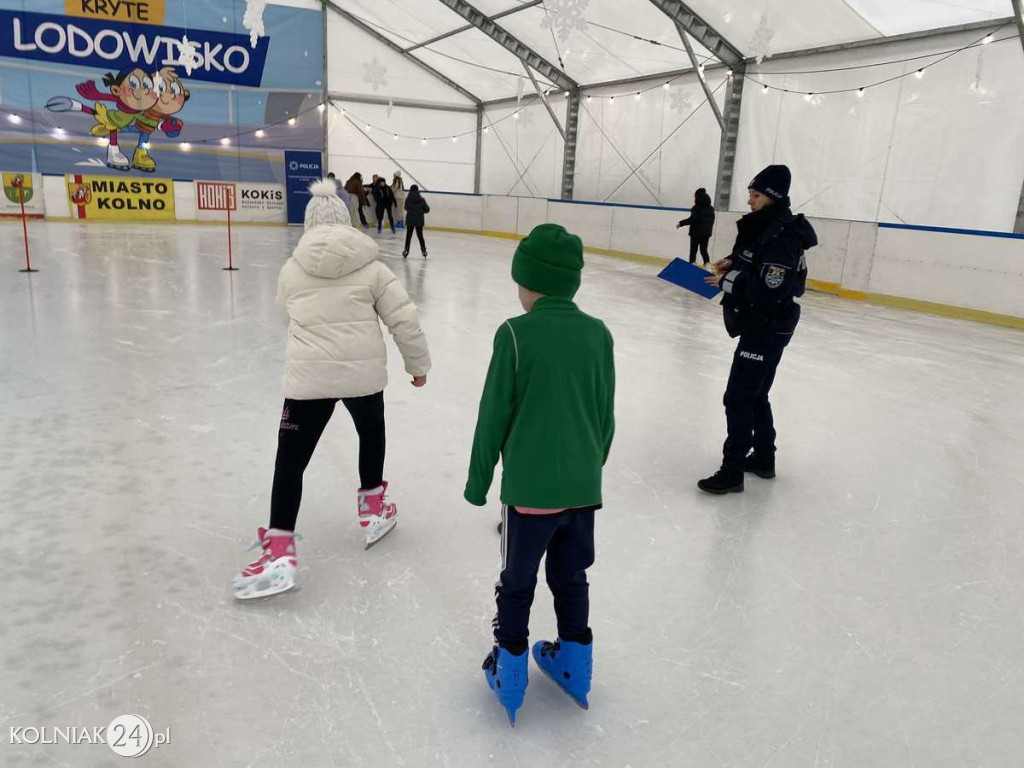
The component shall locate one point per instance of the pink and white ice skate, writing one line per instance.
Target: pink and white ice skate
(377, 517)
(273, 572)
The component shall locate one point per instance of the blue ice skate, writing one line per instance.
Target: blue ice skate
(571, 665)
(507, 676)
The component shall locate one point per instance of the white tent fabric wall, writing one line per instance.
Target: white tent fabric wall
(440, 164)
(350, 51)
(523, 156)
(635, 128)
(942, 150)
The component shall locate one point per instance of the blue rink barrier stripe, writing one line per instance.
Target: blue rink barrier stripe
(951, 230)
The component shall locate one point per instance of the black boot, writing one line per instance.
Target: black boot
(722, 482)
(762, 466)
(405, 254)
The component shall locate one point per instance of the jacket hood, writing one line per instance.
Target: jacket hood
(334, 251)
(802, 228)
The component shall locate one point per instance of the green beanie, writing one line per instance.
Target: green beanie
(549, 261)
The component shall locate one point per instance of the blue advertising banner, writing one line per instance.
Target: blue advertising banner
(222, 57)
(301, 170)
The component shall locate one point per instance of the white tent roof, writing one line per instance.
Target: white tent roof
(616, 42)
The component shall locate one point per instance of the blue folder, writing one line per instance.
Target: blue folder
(691, 277)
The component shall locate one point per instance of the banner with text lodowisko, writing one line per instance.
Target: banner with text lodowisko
(109, 198)
(217, 57)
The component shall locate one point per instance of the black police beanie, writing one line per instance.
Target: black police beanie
(774, 181)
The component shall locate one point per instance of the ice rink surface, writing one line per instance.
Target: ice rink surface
(864, 610)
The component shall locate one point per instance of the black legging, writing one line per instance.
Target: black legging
(419, 233)
(702, 244)
(302, 424)
(380, 216)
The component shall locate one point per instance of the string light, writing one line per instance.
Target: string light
(639, 95)
(860, 93)
(988, 39)
(666, 86)
(487, 129)
(395, 137)
(185, 146)
(291, 121)
(808, 96)
(455, 139)
(919, 74)
(765, 90)
(16, 119)
(58, 132)
(321, 107)
(225, 141)
(424, 142)
(260, 133)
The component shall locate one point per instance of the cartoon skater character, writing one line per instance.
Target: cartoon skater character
(171, 97)
(133, 93)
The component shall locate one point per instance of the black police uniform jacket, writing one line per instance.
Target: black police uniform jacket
(769, 270)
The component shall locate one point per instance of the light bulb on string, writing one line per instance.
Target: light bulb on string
(860, 93)
(185, 146)
(808, 97)
(765, 90)
(367, 126)
(395, 137)
(487, 129)
(639, 95)
(611, 100)
(515, 115)
(589, 99)
(225, 141)
(423, 142)
(291, 121)
(321, 107)
(919, 74)
(260, 133)
(988, 39)
(16, 119)
(455, 139)
(666, 86)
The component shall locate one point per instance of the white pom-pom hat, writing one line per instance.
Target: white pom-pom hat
(325, 207)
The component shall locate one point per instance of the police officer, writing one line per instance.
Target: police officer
(766, 271)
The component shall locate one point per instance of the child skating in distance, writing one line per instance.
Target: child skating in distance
(548, 411)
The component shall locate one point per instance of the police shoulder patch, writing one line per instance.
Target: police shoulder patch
(774, 276)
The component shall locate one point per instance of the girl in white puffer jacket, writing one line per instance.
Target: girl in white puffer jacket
(336, 293)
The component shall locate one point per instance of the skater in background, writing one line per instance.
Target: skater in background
(416, 210)
(701, 222)
(548, 411)
(398, 187)
(385, 200)
(766, 271)
(357, 198)
(335, 293)
(371, 203)
(339, 190)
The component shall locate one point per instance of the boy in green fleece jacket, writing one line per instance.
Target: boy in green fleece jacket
(548, 411)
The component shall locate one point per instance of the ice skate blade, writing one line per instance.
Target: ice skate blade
(258, 594)
(379, 539)
(584, 705)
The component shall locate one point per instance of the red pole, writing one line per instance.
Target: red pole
(231, 201)
(24, 229)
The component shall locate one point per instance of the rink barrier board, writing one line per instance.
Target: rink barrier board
(821, 286)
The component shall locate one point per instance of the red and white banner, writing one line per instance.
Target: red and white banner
(253, 202)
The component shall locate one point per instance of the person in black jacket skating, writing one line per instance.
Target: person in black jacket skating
(416, 210)
(702, 225)
(384, 197)
(766, 271)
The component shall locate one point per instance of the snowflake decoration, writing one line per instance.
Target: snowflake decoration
(189, 57)
(375, 74)
(565, 17)
(679, 100)
(253, 20)
(761, 43)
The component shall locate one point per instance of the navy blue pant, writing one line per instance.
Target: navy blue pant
(568, 541)
(748, 411)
